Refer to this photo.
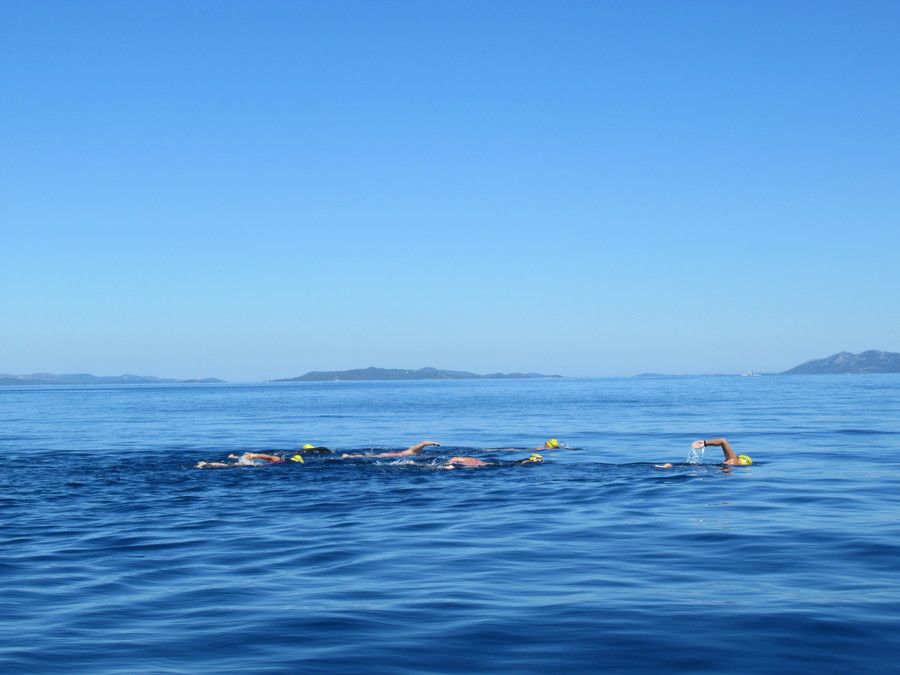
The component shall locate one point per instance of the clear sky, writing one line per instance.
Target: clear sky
(252, 190)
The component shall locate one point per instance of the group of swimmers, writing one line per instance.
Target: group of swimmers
(459, 462)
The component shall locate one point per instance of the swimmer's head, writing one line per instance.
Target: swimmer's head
(535, 458)
(745, 460)
(552, 444)
(308, 446)
(297, 458)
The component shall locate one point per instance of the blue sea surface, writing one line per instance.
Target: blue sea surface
(117, 555)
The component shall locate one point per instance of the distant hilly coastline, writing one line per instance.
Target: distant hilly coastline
(842, 363)
(845, 363)
(372, 373)
(85, 378)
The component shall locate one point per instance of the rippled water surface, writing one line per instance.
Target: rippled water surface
(116, 555)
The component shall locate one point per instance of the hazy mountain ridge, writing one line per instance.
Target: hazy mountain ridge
(372, 373)
(871, 361)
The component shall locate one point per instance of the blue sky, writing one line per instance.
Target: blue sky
(256, 189)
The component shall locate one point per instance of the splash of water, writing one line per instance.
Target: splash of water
(695, 456)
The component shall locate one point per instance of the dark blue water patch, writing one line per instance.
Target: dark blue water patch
(117, 555)
(868, 432)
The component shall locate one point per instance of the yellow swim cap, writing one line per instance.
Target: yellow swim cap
(534, 457)
(297, 458)
(308, 446)
(552, 444)
(745, 460)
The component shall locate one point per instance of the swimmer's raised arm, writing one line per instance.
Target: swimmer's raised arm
(730, 454)
(418, 447)
(412, 450)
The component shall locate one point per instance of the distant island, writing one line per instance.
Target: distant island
(871, 361)
(84, 378)
(361, 374)
(843, 363)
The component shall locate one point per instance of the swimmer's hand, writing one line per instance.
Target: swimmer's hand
(663, 466)
(698, 445)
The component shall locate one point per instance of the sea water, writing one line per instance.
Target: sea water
(117, 555)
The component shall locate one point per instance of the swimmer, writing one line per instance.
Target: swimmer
(475, 463)
(412, 450)
(731, 457)
(550, 444)
(244, 459)
(311, 449)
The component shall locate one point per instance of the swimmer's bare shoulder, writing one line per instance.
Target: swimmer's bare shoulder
(465, 463)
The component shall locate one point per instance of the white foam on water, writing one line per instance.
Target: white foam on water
(695, 456)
